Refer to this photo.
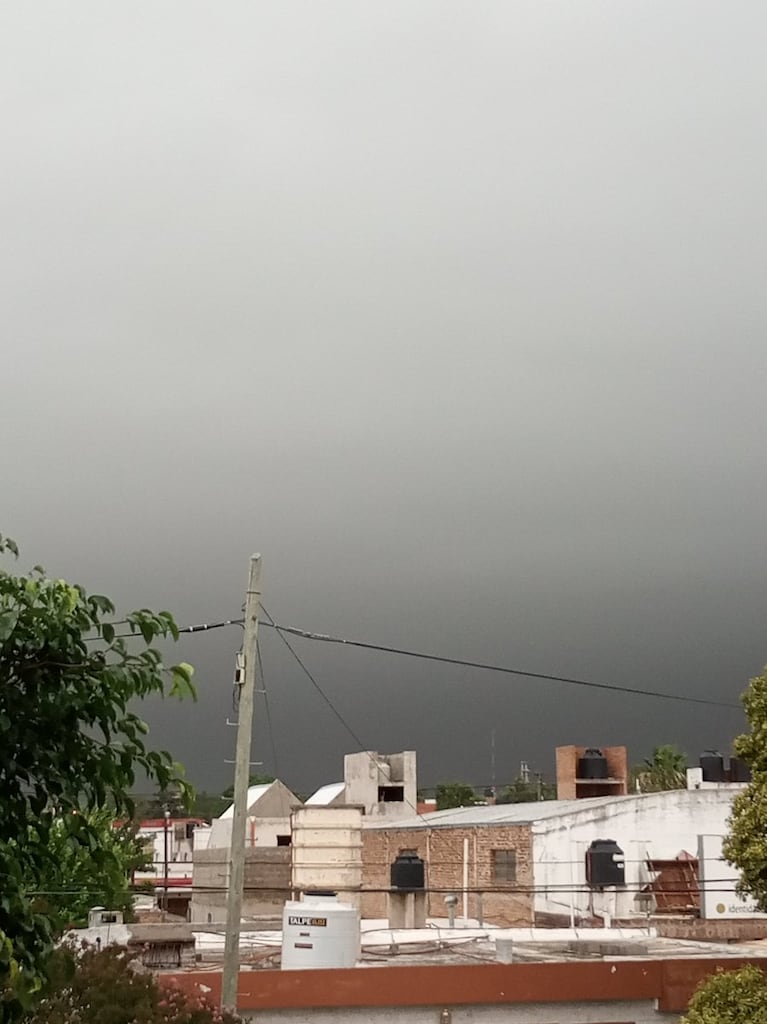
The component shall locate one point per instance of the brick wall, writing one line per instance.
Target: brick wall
(442, 849)
(567, 771)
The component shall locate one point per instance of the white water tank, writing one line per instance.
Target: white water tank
(319, 931)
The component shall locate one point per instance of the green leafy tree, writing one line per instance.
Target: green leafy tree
(454, 794)
(72, 880)
(207, 805)
(746, 844)
(103, 987)
(68, 743)
(174, 799)
(522, 791)
(730, 997)
(666, 769)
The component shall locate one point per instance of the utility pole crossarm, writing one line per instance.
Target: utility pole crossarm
(240, 792)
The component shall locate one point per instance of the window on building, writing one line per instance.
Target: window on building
(283, 840)
(391, 794)
(504, 865)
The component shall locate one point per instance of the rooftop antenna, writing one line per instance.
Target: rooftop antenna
(492, 761)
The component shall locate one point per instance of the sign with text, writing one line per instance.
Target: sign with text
(718, 898)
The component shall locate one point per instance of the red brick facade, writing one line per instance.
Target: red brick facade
(492, 893)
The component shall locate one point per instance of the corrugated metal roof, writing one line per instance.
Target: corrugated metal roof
(502, 814)
(325, 794)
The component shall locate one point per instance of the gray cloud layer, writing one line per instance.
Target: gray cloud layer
(454, 311)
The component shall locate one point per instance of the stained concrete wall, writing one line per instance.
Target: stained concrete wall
(267, 883)
(327, 851)
(367, 771)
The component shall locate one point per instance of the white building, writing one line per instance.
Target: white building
(169, 844)
(648, 827)
(268, 822)
(526, 862)
(331, 795)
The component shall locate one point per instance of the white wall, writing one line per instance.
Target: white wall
(522, 1013)
(658, 825)
(180, 853)
(327, 851)
(258, 831)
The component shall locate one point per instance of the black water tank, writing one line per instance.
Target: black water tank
(739, 770)
(712, 763)
(407, 872)
(593, 765)
(605, 864)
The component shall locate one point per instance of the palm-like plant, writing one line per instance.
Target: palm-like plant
(666, 769)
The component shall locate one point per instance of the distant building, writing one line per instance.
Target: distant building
(169, 843)
(267, 857)
(381, 785)
(332, 795)
(520, 864)
(268, 821)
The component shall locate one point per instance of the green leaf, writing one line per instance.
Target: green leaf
(181, 681)
(108, 631)
(10, 545)
(8, 621)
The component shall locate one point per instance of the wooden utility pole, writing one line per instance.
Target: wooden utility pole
(240, 794)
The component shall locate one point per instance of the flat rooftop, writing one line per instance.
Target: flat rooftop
(439, 944)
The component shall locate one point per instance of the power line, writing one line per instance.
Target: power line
(270, 730)
(503, 669)
(312, 680)
(200, 627)
(327, 699)
(327, 638)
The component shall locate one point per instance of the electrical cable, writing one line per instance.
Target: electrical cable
(330, 703)
(267, 709)
(327, 638)
(505, 670)
(314, 682)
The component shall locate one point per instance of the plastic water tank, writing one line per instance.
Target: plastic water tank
(593, 764)
(712, 765)
(407, 872)
(739, 770)
(319, 931)
(605, 864)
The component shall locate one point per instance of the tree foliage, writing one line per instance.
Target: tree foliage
(207, 805)
(731, 997)
(455, 794)
(522, 791)
(72, 879)
(746, 845)
(69, 742)
(666, 769)
(102, 987)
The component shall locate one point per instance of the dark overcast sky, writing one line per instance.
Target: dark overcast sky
(454, 311)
